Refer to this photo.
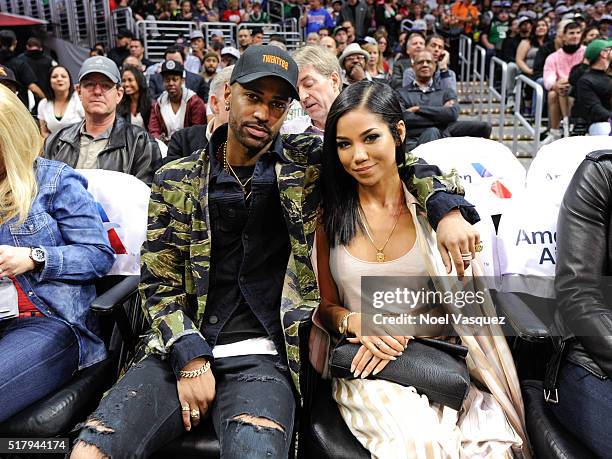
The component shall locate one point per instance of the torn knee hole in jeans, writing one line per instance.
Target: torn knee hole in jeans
(258, 422)
(261, 378)
(97, 426)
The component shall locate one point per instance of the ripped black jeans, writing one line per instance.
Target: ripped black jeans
(142, 413)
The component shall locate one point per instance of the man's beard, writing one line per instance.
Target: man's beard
(253, 146)
(209, 72)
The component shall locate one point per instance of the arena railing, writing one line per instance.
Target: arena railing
(158, 35)
(478, 76)
(496, 61)
(122, 18)
(228, 29)
(276, 11)
(101, 23)
(267, 29)
(534, 130)
(465, 59)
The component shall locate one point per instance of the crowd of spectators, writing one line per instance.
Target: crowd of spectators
(371, 40)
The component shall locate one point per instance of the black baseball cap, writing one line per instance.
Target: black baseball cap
(263, 61)
(172, 67)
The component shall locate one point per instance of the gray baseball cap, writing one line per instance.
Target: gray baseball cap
(103, 65)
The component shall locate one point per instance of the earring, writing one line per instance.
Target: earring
(227, 106)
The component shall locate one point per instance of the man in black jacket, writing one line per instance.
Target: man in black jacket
(22, 70)
(104, 140)
(431, 112)
(594, 88)
(40, 63)
(583, 360)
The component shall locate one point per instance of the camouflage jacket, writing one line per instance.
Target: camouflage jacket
(176, 255)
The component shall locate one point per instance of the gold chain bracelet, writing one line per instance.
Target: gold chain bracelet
(195, 373)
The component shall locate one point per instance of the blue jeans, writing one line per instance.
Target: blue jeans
(585, 404)
(144, 405)
(38, 356)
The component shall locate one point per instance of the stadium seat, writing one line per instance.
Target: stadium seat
(549, 439)
(526, 248)
(557, 161)
(490, 173)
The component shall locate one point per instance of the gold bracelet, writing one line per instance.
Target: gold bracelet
(195, 373)
(343, 324)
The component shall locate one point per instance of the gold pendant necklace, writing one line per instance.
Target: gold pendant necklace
(228, 168)
(380, 254)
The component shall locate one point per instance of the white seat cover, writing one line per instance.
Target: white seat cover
(490, 173)
(122, 202)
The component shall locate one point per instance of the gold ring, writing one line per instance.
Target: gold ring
(478, 247)
(185, 408)
(195, 414)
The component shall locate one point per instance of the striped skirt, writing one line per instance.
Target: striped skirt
(393, 421)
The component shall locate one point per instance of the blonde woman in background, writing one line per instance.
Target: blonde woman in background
(375, 65)
(52, 247)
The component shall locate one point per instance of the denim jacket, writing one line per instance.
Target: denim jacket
(65, 223)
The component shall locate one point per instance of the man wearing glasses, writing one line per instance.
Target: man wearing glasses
(353, 61)
(431, 111)
(103, 140)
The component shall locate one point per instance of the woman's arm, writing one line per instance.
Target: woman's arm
(330, 310)
(43, 129)
(521, 53)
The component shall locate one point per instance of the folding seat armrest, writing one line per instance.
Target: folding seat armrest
(520, 317)
(116, 295)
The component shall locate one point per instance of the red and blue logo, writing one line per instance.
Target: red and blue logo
(113, 237)
(497, 187)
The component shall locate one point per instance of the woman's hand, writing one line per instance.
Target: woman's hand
(15, 260)
(374, 349)
(195, 393)
(456, 236)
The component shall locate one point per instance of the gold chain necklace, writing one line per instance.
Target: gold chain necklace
(380, 255)
(228, 168)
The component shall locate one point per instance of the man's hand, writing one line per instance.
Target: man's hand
(15, 260)
(456, 236)
(195, 393)
(449, 103)
(414, 109)
(357, 73)
(562, 86)
(443, 64)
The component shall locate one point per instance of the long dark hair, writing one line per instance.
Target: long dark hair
(340, 202)
(534, 38)
(144, 101)
(51, 95)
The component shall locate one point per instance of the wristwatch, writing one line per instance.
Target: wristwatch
(38, 256)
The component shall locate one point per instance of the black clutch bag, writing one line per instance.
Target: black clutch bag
(433, 367)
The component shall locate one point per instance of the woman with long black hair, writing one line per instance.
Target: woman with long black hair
(371, 226)
(135, 106)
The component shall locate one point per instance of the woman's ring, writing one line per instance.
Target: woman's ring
(195, 414)
(478, 247)
(379, 343)
(185, 408)
(466, 256)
